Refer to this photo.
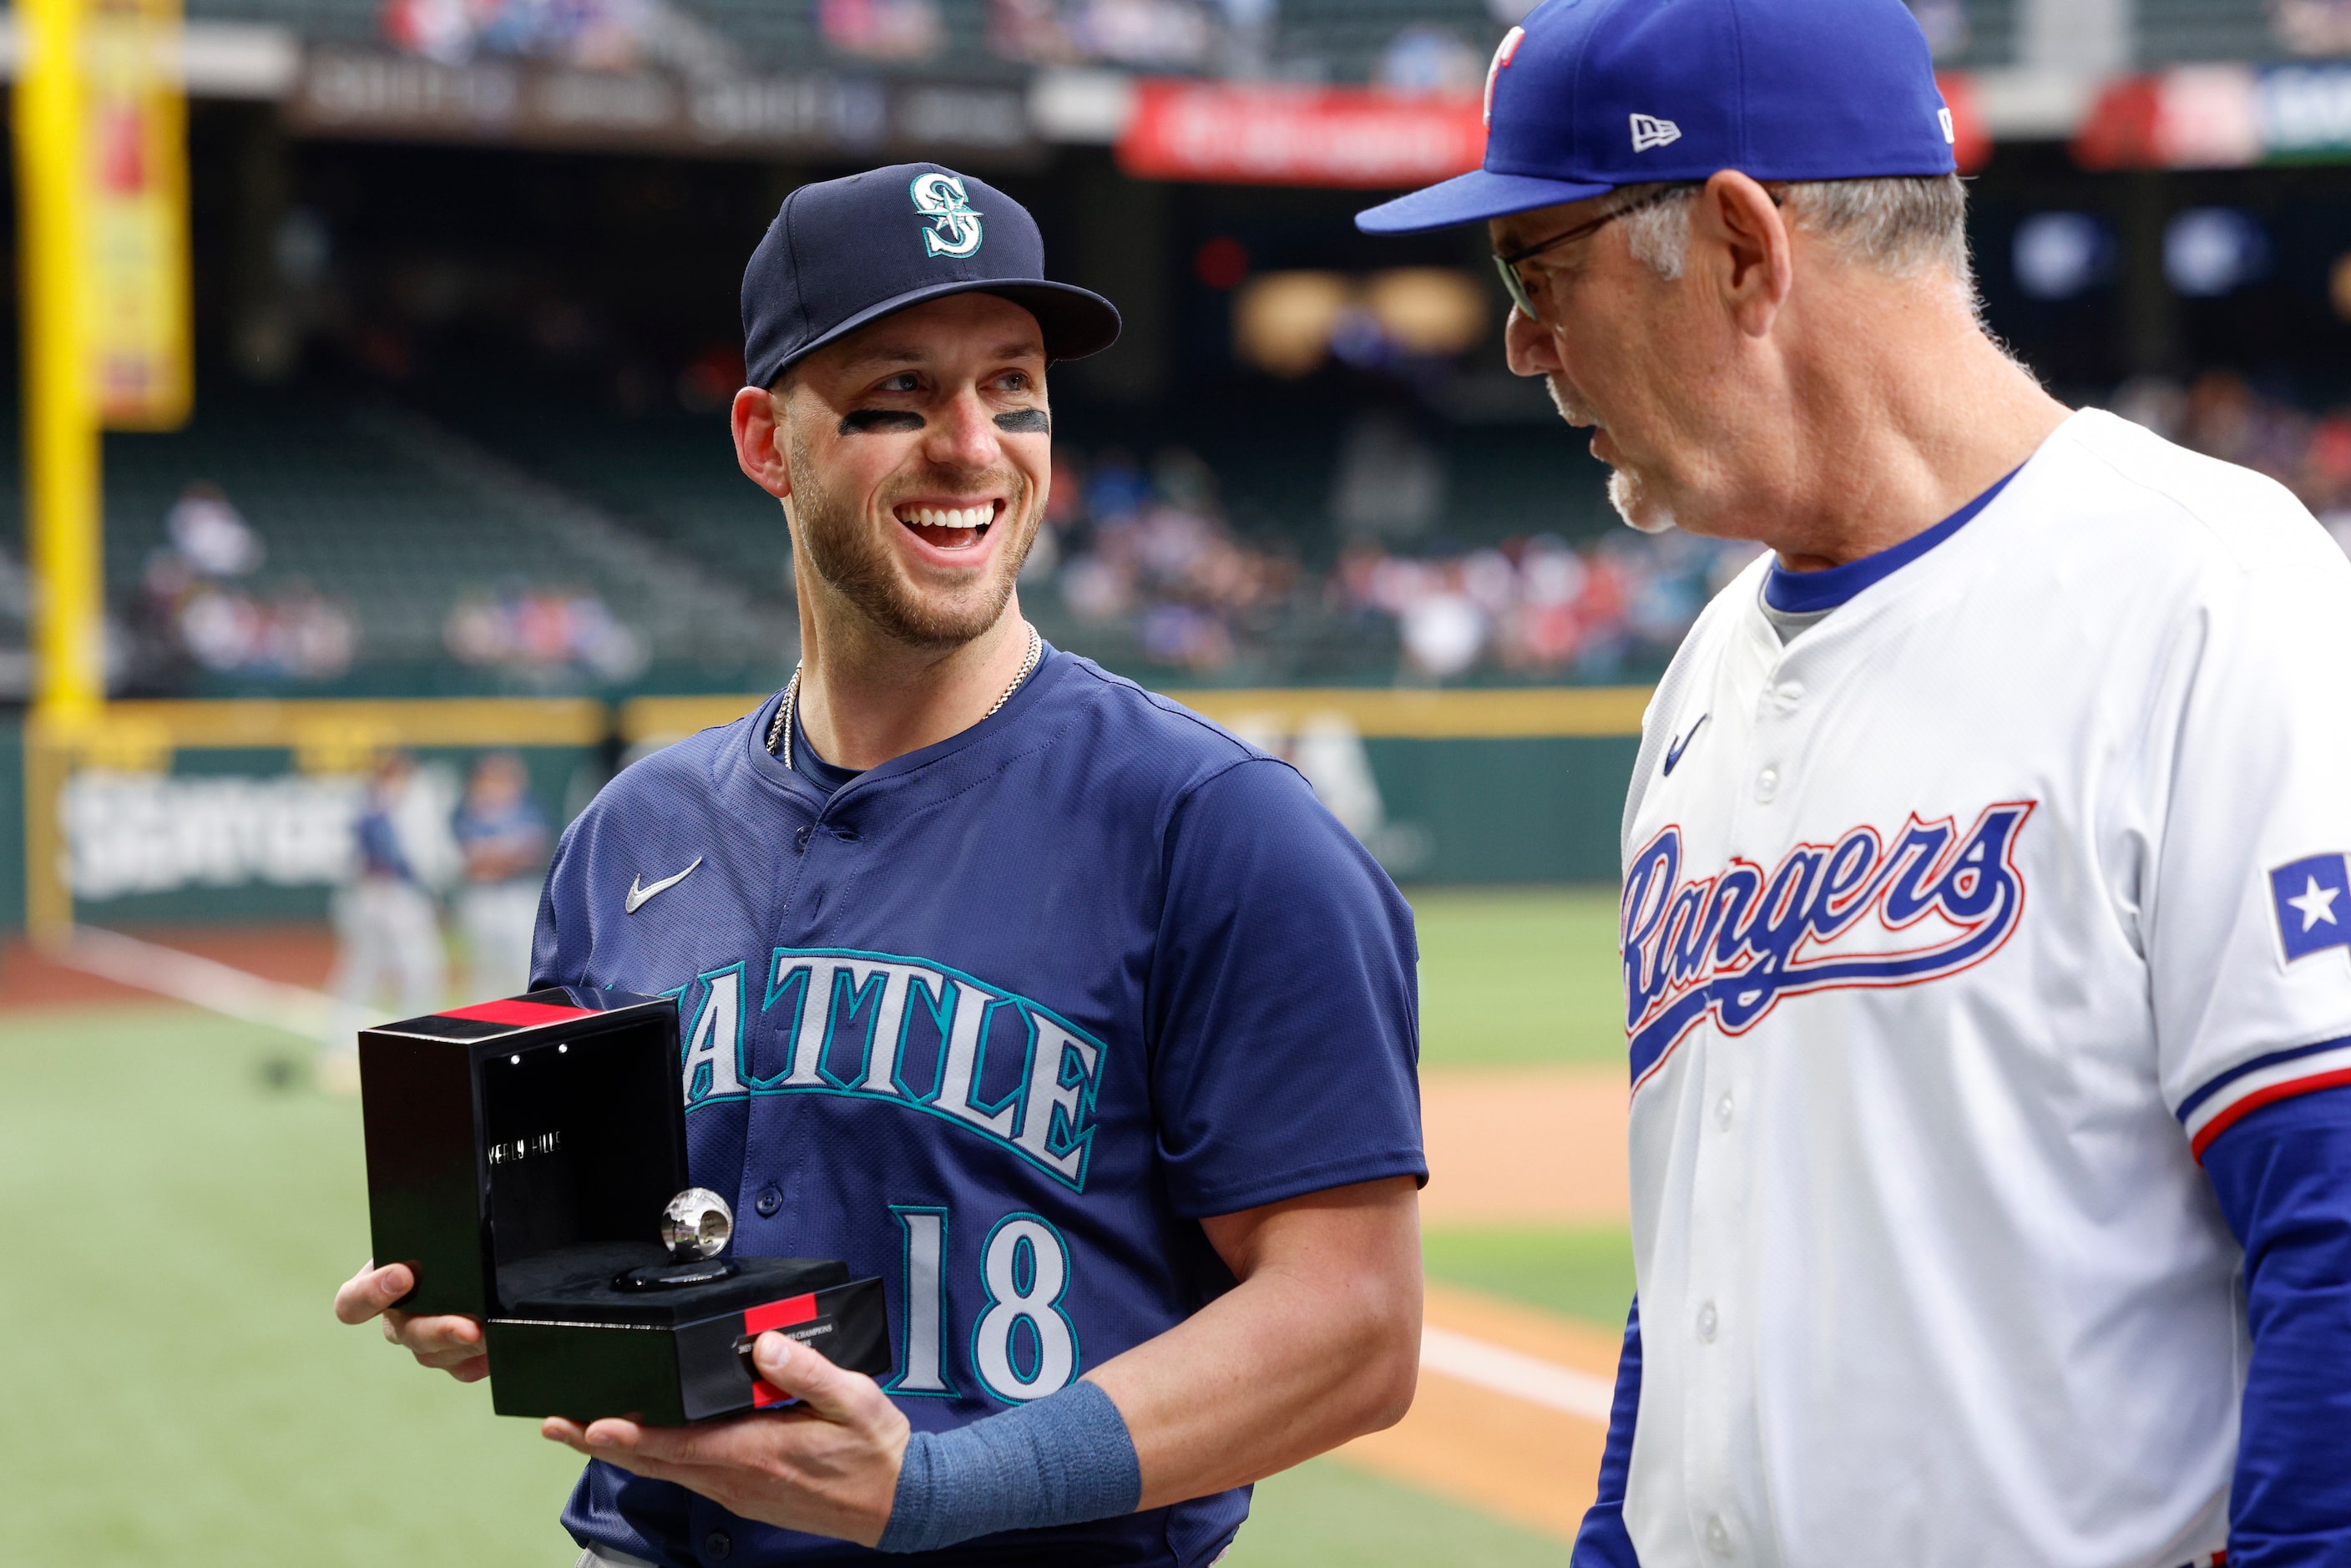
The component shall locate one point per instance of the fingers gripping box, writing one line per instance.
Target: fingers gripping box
(520, 1155)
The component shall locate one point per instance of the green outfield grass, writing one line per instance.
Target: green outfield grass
(177, 1207)
(1580, 1273)
(180, 1391)
(1325, 1514)
(1518, 979)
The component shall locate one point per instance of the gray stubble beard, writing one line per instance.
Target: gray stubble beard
(1623, 489)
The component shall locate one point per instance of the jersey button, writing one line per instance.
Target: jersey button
(1767, 784)
(1717, 1535)
(1722, 1112)
(1708, 1322)
(769, 1203)
(717, 1546)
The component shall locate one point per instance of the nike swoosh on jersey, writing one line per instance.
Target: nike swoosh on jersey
(1674, 752)
(638, 896)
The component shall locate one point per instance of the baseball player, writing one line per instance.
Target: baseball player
(1074, 1019)
(1986, 921)
(503, 837)
(387, 923)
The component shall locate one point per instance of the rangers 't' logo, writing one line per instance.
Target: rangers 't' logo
(954, 227)
(1860, 912)
(1503, 54)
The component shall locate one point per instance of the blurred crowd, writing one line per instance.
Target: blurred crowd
(198, 606)
(1236, 37)
(595, 35)
(537, 632)
(1541, 606)
(2221, 413)
(1149, 550)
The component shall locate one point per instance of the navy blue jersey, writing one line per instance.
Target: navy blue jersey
(1000, 1021)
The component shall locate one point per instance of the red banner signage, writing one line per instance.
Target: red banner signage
(1268, 134)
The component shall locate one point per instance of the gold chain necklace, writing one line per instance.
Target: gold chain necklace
(779, 734)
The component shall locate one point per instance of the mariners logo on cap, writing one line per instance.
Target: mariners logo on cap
(954, 227)
(2314, 905)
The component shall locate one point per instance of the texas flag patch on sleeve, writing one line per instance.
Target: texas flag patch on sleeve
(2314, 905)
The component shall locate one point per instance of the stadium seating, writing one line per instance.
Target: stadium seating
(2182, 32)
(318, 21)
(397, 521)
(1334, 40)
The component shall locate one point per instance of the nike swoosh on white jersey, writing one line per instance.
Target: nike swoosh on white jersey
(637, 896)
(1674, 752)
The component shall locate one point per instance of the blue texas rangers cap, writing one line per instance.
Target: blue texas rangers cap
(848, 252)
(1588, 95)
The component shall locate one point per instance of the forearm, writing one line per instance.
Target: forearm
(2283, 1178)
(1320, 1343)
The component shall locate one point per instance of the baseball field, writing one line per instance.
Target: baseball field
(179, 1199)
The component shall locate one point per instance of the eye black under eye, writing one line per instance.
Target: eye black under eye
(866, 420)
(1025, 422)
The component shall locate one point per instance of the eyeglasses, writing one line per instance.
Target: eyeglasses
(1508, 266)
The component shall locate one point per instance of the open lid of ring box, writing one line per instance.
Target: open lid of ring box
(519, 1153)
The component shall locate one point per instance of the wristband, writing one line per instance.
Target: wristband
(1064, 1459)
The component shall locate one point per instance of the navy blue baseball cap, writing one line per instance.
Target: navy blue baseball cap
(1589, 95)
(845, 253)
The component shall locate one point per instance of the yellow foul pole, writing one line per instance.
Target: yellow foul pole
(61, 437)
(61, 415)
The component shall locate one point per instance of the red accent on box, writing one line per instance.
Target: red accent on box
(518, 1013)
(780, 1315)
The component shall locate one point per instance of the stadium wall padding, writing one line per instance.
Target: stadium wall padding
(229, 812)
(1533, 808)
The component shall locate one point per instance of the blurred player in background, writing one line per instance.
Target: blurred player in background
(503, 837)
(387, 924)
(1068, 1013)
(1987, 918)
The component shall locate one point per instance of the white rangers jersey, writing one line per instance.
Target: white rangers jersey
(1955, 927)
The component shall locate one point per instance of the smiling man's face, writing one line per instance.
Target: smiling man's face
(920, 451)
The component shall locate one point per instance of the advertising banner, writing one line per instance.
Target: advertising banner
(375, 93)
(1275, 134)
(2221, 117)
(136, 157)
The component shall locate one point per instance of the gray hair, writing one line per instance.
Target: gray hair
(1902, 226)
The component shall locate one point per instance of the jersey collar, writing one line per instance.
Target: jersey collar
(978, 742)
(1808, 593)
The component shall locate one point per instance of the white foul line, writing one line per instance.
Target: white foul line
(1516, 1374)
(212, 986)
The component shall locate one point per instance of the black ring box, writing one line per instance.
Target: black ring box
(519, 1153)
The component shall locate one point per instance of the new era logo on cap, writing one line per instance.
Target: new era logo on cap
(2314, 905)
(1649, 132)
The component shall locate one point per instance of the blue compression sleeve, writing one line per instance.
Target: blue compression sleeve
(1602, 1542)
(1064, 1459)
(2283, 1178)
